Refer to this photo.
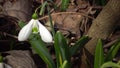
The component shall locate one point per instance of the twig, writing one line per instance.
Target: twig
(67, 13)
(6, 34)
(109, 44)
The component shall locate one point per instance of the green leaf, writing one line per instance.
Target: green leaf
(113, 51)
(43, 8)
(64, 64)
(39, 46)
(99, 55)
(21, 24)
(51, 24)
(64, 5)
(110, 64)
(62, 50)
(79, 44)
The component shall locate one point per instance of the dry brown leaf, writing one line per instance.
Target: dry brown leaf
(68, 23)
(20, 59)
(21, 9)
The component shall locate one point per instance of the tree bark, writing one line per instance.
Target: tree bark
(103, 25)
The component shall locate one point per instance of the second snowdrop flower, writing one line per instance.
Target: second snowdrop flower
(34, 26)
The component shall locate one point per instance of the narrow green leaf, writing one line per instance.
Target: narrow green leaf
(64, 5)
(21, 24)
(57, 51)
(99, 55)
(110, 64)
(79, 44)
(113, 51)
(51, 23)
(64, 64)
(38, 45)
(62, 50)
(43, 8)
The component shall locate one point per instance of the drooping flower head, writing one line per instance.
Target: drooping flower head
(34, 26)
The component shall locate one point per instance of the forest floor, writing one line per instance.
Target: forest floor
(73, 23)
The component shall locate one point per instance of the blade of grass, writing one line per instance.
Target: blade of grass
(43, 8)
(110, 65)
(79, 44)
(64, 64)
(113, 51)
(57, 51)
(38, 45)
(62, 50)
(51, 24)
(99, 55)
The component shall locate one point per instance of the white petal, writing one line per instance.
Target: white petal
(44, 33)
(35, 27)
(25, 31)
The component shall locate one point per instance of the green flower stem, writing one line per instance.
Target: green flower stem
(51, 24)
(39, 46)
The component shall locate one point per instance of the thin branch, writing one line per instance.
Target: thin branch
(83, 14)
(6, 34)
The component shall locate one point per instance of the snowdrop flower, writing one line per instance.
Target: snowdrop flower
(36, 27)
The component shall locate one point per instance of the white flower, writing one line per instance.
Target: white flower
(34, 26)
